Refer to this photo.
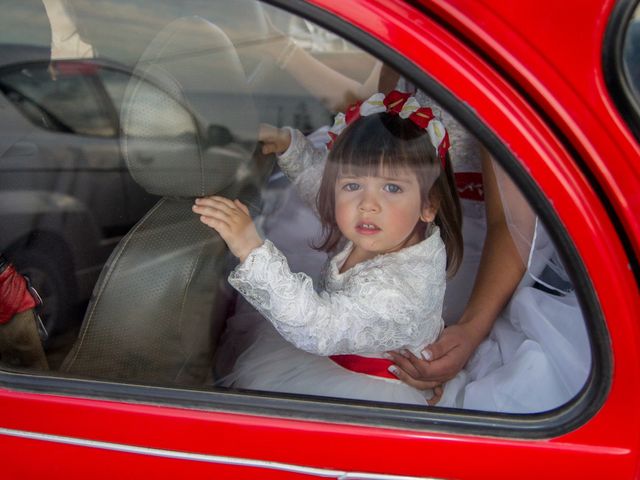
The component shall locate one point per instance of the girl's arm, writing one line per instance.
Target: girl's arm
(383, 310)
(299, 159)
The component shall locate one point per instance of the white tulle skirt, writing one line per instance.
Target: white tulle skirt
(270, 363)
(536, 358)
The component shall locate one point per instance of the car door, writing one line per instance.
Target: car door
(548, 140)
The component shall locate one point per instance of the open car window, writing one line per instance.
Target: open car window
(141, 298)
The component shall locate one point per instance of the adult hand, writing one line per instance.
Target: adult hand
(274, 140)
(231, 219)
(442, 360)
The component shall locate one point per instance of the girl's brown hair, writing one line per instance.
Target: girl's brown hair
(387, 142)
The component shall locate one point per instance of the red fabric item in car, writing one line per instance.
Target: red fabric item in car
(14, 295)
(378, 367)
(470, 186)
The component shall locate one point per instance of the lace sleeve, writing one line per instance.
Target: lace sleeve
(303, 164)
(378, 312)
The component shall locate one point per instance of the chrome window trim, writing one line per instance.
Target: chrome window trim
(199, 457)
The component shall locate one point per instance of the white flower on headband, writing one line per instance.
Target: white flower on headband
(339, 124)
(374, 104)
(409, 107)
(402, 104)
(436, 132)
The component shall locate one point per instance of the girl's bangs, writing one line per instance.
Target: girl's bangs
(379, 165)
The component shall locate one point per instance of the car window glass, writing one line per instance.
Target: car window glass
(115, 83)
(62, 96)
(166, 101)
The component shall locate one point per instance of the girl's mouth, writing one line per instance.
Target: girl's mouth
(367, 228)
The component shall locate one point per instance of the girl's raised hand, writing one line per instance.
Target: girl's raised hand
(231, 219)
(274, 140)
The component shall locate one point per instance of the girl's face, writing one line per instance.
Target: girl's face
(379, 213)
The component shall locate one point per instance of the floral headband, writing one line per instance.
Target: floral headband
(398, 103)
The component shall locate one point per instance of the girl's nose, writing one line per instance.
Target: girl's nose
(369, 203)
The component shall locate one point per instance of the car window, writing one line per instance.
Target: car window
(61, 96)
(173, 96)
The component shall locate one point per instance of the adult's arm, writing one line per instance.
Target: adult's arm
(336, 90)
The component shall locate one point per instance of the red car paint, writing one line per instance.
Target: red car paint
(531, 72)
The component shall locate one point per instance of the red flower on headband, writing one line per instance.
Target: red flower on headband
(352, 113)
(422, 117)
(333, 137)
(395, 100)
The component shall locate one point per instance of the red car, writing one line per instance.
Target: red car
(552, 91)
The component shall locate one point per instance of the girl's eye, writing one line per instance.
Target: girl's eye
(351, 187)
(392, 188)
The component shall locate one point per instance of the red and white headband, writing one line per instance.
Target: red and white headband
(398, 103)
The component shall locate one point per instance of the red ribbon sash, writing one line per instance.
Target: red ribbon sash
(378, 367)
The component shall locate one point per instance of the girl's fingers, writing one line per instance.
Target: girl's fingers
(214, 218)
(266, 132)
(212, 211)
(218, 215)
(217, 224)
(268, 148)
(241, 206)
(214, 201)
(219, 211)
(224, 204)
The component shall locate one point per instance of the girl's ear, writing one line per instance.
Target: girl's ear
(429, 213)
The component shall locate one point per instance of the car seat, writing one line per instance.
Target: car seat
(189, 129)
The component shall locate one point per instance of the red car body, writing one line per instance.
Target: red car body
(534, 74)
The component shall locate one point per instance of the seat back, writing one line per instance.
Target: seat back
(161, 300)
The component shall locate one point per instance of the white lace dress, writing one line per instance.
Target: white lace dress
(389, 302)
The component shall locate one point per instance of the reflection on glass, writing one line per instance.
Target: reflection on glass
(62, 96)
(174, 92)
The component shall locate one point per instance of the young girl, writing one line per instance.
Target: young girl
(391, 217)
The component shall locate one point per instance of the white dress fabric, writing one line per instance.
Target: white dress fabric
(389, 302)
